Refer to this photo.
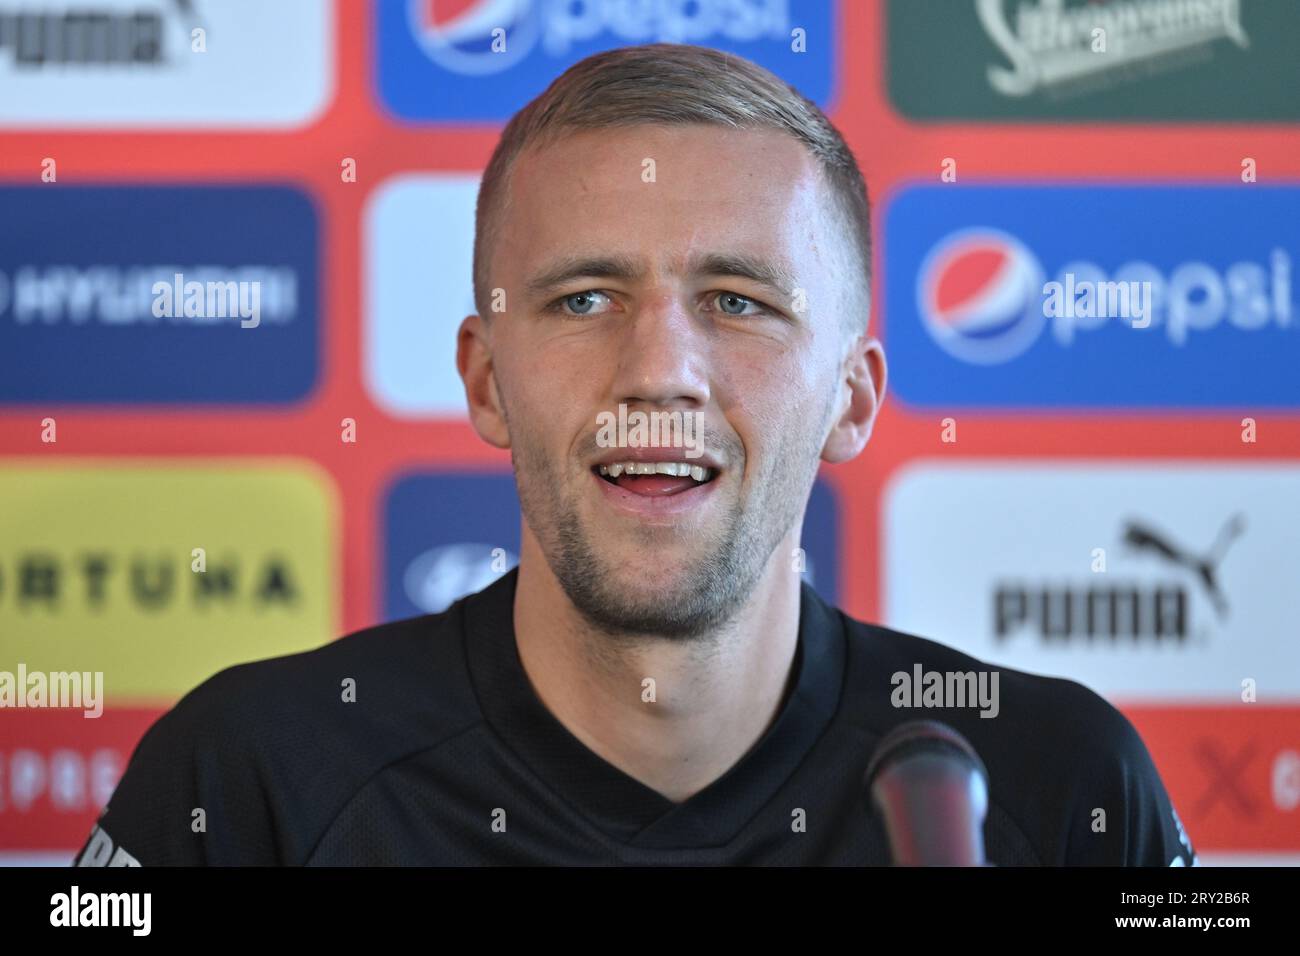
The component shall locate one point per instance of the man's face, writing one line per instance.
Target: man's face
(618, 254)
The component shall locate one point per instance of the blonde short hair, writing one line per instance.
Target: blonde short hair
(673, 84)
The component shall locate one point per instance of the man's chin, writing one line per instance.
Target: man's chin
(629, 587)
(635, 600)
(680, 586)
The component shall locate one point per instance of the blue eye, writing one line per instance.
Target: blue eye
(733, 304)
(580, 303)
(589, 301)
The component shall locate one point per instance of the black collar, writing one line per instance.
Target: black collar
(616, 803)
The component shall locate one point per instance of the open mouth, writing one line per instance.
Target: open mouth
(655, 478)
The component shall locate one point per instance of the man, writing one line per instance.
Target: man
(667, 230)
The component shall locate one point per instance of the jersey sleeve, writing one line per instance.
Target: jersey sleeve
(1154, 835)
(1117, 811)
(190, 795)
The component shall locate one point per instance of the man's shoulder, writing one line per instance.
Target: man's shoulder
(1072, 714)
(1064, 764)
(253, 764)
(403, 677)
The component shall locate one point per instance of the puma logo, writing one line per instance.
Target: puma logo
(1205, 567)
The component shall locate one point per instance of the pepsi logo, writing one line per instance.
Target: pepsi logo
(979, 293)
(474, 37)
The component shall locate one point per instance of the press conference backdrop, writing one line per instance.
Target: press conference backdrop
(1109, 499)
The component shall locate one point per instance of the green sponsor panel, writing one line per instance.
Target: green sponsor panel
(1027, 60)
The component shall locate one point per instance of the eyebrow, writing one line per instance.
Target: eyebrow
(771, 275)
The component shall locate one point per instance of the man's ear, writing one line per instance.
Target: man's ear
(862, 390)
(474, 362)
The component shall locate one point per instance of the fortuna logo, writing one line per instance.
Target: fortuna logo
(1050, 45)
(121, 580)
(102, 909)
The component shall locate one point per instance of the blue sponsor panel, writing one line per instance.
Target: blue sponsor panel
(447, 535)
(441, 535)
(821, 542)
(1093, 297)
(448, 60)
(158, 294)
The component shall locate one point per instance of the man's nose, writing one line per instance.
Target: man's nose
(663, 355)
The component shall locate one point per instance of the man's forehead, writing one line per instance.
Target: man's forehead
(707, 191)
(710, 165)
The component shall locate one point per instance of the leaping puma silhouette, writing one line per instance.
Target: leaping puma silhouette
(1140, 536)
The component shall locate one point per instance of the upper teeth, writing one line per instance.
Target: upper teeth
(678, 469)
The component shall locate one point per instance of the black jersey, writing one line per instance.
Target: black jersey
(423, 742)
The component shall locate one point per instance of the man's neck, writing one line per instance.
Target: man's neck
(714, 697)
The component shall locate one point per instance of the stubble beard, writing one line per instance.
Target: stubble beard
(719, 568)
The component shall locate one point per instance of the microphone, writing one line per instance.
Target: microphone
(932, 790)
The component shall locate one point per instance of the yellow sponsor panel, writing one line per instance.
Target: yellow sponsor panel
(161, 573)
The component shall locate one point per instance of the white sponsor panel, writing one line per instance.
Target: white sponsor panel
(170, 63)
(1142, 580)
(419, 286)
